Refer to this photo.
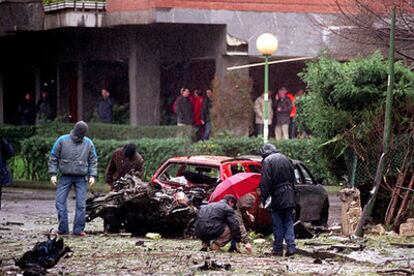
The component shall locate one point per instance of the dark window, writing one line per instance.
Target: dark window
(307, 177)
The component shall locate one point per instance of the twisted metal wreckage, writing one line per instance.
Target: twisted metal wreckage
(138, 207)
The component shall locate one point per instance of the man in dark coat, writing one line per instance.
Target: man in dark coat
(217, 224)
(122, 162)
(27, 110)
(104, 107)
(44, 109)
(283, 107)
(277, 182)
(184, 109)
(205, 114)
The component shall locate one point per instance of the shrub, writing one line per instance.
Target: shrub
(16, 134)
(96, 131)
(35, 152)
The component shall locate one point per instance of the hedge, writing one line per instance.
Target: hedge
(96, 131)
(35, 152)
(16, 134)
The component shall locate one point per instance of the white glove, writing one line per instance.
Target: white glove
(53, 180)
(91, 181)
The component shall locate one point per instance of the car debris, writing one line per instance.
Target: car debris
(210, 264)
(139, 208)
(301, 231)
(43, 256)
(153, 236)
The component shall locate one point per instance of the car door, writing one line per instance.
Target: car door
(309, 194)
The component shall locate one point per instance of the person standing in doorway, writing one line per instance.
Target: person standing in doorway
(283, 107)
(277, 184)
(74, 156)
(198, 106)
(258, 111)
(44, 109)
(104, 107)
(27, 110)
(184, 109)
(205, 114)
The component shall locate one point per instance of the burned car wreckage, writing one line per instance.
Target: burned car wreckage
(168, 204)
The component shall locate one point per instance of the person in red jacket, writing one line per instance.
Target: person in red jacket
(292, 124)
(197, 107)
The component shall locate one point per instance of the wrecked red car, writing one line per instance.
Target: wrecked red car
(206, 172)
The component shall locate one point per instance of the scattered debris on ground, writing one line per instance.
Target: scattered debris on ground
(210, 264)
(43, 256)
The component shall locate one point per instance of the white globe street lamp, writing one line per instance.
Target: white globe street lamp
(266, 44)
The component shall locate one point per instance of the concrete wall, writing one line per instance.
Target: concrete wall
(21, 15)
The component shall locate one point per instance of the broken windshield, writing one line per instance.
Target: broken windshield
(184, 174)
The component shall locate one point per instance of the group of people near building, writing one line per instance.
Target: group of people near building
(31, 113)
(281, 113)
(193, 109)
(74, 156)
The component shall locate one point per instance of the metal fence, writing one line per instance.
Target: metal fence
(74, 5)
(362, 165)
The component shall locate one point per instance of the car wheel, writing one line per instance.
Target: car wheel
(323, 219)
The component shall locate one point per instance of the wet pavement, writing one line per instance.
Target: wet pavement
(26, 215)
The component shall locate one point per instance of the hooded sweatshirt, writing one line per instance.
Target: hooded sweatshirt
(74, 154)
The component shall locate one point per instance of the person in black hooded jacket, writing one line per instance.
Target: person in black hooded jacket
(217, 224)
(277, 182)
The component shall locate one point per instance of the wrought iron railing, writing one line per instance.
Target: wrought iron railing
(57, 5)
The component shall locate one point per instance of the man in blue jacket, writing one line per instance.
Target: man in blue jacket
(74, 156)
(278, 178)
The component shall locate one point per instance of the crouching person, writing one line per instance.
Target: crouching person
(74, 156)
(243, 205)
(217, 224)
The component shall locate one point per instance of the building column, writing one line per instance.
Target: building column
(1, 100)
(58, 96)
(132, 76)
(144, 82)
(79, 73)
(37, 84)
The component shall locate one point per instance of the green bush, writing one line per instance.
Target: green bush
(345, 106)
(35, 152)
(96, 131)
(16, 134)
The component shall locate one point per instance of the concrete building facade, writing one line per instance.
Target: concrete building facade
(144, 51)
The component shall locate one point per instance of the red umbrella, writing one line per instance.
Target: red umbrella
(237, 185)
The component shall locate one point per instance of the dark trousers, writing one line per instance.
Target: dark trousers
(293, 129)
(282, 221)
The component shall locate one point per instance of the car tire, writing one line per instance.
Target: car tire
(323, 219)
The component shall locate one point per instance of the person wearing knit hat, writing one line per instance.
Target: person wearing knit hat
(73, 156)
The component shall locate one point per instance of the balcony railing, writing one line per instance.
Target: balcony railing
(85, 5)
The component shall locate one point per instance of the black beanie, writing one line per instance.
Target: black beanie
(80, 129)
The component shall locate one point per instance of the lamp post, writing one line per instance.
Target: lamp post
(266, 44)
